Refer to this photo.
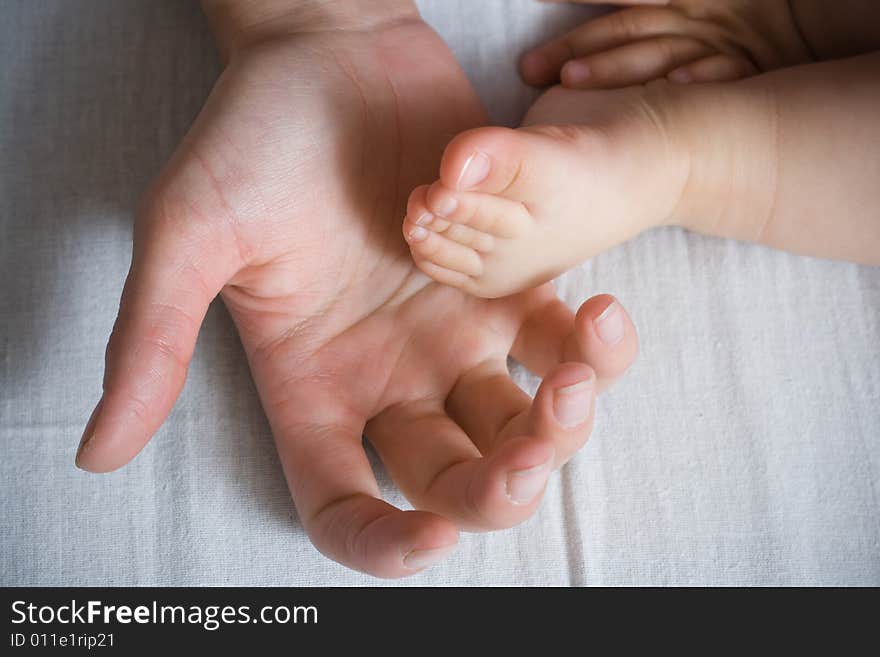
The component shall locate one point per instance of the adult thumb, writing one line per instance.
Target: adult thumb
(177, 269)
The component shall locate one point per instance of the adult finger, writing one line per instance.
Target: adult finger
(602, 335)
(318, 432)
(494, 411)
(335, 492)
(484, 400)
(177, 269)
(439, 469)
(545, 323)
(333, 485)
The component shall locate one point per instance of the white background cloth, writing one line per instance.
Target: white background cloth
(743, 448)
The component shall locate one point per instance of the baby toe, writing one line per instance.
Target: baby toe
(467, 236)
(417, 212)
(436, 248)
(486, 213)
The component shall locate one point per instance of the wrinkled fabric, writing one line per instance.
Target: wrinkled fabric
(743, 447)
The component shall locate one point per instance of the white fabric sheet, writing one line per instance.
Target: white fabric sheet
(743, 448)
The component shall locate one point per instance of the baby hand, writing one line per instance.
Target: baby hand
(682, 40)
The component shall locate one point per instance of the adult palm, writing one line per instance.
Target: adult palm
(286, 197)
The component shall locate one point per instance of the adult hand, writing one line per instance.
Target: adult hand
(286, 198)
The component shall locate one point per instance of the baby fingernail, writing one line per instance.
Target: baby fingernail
(446, 206)
(576, 72)
(424, 219)
(418, 234)
(419, 559)
(681, 76)
(609, 325)
(524, 485)
(475, 171)
(572, 404)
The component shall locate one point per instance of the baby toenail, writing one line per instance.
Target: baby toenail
(576, 72)
(418, 234)
(609, 325)
(446, 206)
(475, 171)
(424, 219)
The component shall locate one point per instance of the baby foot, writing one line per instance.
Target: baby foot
(515, 208)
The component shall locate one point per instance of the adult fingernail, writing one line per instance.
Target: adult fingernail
(424, 219)
(418, 234)
(419, 559)
(576, 72)
(524, 485)
(609, 325)
(572, 404)
(446, 206)
(88, 433)
(475, 171)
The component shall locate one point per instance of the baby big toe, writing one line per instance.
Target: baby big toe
(520, 165)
